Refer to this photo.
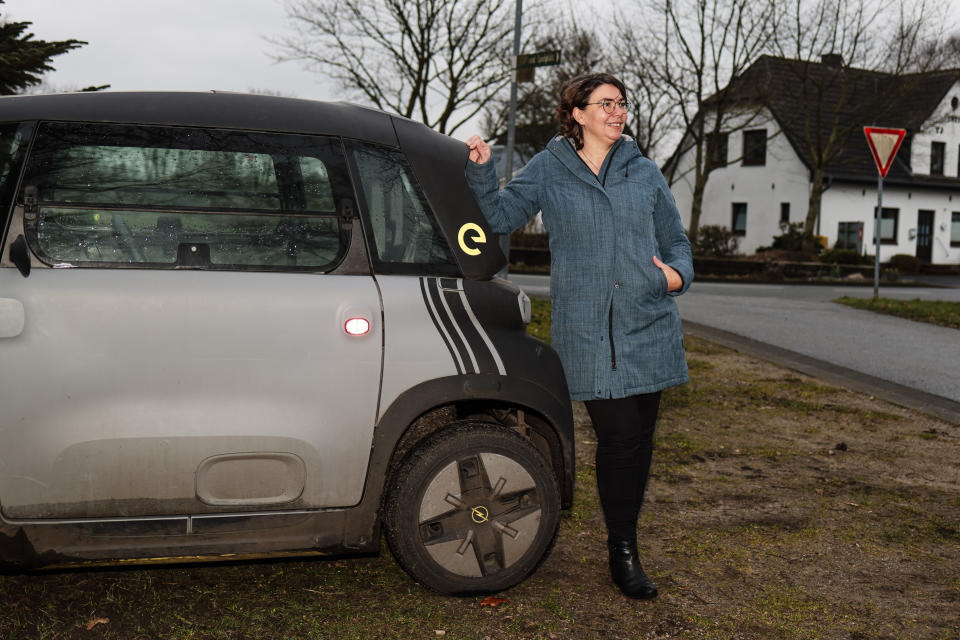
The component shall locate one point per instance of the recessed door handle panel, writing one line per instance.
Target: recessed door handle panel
(11, 318)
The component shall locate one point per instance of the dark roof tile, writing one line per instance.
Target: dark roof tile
(812, 96)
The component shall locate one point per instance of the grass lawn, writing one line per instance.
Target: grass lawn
(779, 508)
(939, 312)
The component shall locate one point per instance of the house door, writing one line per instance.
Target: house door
(924, 235)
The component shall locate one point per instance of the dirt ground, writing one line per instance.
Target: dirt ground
(779, 507)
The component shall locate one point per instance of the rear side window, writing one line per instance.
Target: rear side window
(129, 195)
(403, 230)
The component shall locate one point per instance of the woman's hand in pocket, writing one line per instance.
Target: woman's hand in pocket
(674, 281)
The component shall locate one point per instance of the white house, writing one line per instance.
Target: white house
(762, 171)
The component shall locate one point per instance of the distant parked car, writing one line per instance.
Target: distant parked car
(235, 324)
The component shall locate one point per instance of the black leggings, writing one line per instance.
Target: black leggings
(624, 430)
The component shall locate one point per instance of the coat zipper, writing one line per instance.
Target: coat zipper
(613, 351)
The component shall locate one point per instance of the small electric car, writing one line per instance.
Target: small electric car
(237, 325)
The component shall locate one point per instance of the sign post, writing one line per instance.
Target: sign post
(511, 129)
(883, 144)
(522, 73)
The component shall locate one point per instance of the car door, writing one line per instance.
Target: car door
(410, 257)
(185, 345)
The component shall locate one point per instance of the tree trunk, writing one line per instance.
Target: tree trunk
(696, 206)
(699, 179)
(813, 204)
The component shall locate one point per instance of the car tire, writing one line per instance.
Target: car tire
(474, 509)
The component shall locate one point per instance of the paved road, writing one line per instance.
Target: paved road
(912, 363)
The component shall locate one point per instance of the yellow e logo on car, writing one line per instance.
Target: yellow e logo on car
(477, 237)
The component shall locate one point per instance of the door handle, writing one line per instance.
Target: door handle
(11, 318)
(356, 320)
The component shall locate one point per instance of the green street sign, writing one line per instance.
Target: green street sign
(541, 59)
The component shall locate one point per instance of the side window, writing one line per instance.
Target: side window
(889, 221)
(937, 152)
(719, 145)
(124, 195)
(755, 147)
(850, 235)
(402, 228)
(738, 219)
(784, 213)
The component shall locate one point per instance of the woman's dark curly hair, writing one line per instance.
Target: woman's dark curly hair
(575, 92)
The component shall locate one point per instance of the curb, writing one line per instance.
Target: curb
(898, 394)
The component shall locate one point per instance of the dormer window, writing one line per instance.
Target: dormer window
(937, 152)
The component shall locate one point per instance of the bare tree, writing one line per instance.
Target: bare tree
(848, 58)
(939, 53)
(689, 51)
(583, 50)
(537, 100)
(654, 117)
(437, 61)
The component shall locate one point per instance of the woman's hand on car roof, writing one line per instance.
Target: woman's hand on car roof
(479, 150)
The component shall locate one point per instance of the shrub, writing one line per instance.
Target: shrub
(793, 238)
(715, 241)
(843, 256)
(905, 263)
(774, 272)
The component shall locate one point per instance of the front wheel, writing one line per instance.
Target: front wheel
(474, 509)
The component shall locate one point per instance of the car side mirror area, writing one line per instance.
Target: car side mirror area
(20, 255)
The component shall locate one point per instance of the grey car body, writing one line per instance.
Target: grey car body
(227, 321)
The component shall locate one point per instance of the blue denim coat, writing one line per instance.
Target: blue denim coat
(614, 324)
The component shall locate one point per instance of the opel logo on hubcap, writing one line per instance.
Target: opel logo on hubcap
(479, 514)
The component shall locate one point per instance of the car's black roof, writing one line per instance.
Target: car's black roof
(436, 159)
(211, 109)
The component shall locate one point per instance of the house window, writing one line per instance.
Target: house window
(755, 147)
(955, 229)
(937, 152)
(848, 235)
(784, 213)
(738, 222)
(889, 219)
(718, 149)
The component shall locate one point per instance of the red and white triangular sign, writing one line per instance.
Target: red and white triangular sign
(883, 145)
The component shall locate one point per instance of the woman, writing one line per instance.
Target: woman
(618, 256)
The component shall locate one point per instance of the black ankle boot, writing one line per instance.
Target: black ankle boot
(626, 570)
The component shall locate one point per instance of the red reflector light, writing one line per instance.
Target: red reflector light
(356, 326)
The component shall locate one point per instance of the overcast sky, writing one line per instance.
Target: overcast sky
(169, 44)
(177, 45)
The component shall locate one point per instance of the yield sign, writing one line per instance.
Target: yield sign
(883, 145)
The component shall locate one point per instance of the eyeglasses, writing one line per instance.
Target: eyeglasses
(611, 105)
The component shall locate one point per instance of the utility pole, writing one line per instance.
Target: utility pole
(512, 123)
(512, 126)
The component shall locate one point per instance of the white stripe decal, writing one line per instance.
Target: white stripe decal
(453, 347)
(481, 331)
(466, 345)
